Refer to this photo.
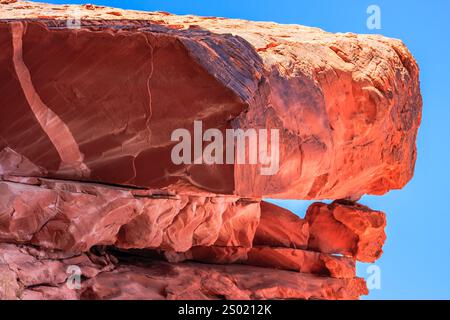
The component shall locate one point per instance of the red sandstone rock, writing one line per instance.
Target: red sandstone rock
(347, 228)
(174, 281)
(158, 280)
(279, 227)
(244, 214)
(29, 273)
(213, 254)
(75, 217)
(85, 127)
(348, 106)
(302, 261)
(279, 258)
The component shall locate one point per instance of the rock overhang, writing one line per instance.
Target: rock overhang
(337, 98)
(96, 99)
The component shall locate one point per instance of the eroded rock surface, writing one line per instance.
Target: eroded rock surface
(347, 228)
(347, 106)
(75, 217)
(89, 99)
(28, 273)
(64, 221)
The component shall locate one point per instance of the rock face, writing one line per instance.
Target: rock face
(45, 275)
(74, 217)
(347, 106)
(349, 229)
(90, 99)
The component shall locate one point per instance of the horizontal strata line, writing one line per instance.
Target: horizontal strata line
(99, 185)
(74, 181)
(157, 194)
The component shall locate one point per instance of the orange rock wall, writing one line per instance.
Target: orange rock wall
(87, 178)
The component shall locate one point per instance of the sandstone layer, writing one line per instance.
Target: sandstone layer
(49, 226)
(90, 97)
(347, 106)
(28, 273)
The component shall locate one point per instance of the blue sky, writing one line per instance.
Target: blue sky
(416, 260)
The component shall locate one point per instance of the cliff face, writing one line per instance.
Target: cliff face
(91, 98)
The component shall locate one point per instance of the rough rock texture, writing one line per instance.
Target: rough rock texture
(346, 228)
(76, 216)
(28, 273)
(348, 106)
(68, 219)
(89, 98)
(278, 227)
(271, 257)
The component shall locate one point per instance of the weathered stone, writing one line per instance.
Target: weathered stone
(347, 106)
(76, 216)
(174, 281)
(347, 228)
(279, 227)
(158, 280)
(87, 117)
(278, 258)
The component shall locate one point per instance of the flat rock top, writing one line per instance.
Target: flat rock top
(273, 41)
(36, 10)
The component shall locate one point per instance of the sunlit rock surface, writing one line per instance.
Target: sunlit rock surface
(347, 228)
(89, 98)
(28, 273)
(98, 103)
